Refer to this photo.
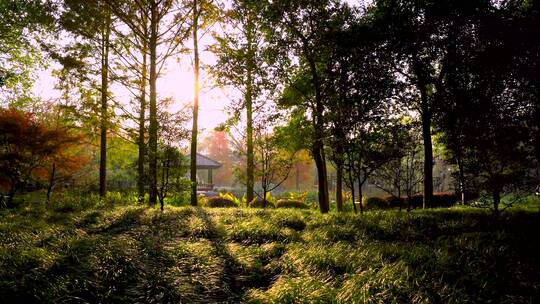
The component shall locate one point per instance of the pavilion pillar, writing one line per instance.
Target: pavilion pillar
(210, 181)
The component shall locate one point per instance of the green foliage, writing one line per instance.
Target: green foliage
(286, 203)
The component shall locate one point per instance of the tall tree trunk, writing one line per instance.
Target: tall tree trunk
(318, 144)
(428, 150)
(339, 187)
(153, 128)
(320, 163)
(105, 34)
(142, 110)
(425, 113)
(194, 128)
(351, 178)
(249, 112)
(496, 201)
(461, 180)
(361, 195)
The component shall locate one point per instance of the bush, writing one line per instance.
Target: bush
(376, 203)
(444, 199)
(394, 201)
(258, 203)
(219, 202)
(285, 203)
(415, 201)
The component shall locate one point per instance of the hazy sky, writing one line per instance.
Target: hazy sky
(176, 81)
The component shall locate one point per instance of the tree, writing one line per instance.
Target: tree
(241, 65)
(373, 146)
(26, 145)
(172, 169)
(131, 50)
(195, 127)
(482, 123)
(23, 22)
(422, 37)
(166, 29)
(92, 21)
(203, 13)
(297, 31)
(356, 58)
(273, 162)
(170, 162)
(403, 174)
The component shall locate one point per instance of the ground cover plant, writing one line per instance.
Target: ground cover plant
(133, 254)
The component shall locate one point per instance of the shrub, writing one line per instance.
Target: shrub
(219, 202)
(415, 201)
(285, 203)
(259, 203)
(444, 199)
(375, 203)
(440, 199)
(394, 201)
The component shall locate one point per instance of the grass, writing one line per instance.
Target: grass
(133, 254)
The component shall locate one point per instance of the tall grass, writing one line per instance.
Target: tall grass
(131, 254)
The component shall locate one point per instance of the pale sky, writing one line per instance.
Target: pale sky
(176, 81)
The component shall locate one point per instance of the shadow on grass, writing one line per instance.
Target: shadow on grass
(129, 219)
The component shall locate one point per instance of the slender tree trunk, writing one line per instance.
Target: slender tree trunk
(50, 185)
(351, 175)
(194, 129)
(153, 128)
(104, 119)
(461, 180)
(318, 144)
(425, 113)
(142, 110)
(320, 163)
(428, 149)
(249, 113)
(361, 196)
(428, 152)
(339, 187)
(496, 201)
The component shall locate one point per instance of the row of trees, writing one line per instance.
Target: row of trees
(357, 86)
(358, 79)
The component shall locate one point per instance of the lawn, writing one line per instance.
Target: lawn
(200, 255)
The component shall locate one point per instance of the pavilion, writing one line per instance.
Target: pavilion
(205, 167)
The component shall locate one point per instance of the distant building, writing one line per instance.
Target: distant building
(205, 167)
